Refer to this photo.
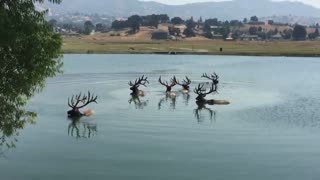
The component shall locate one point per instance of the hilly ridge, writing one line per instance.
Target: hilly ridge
(235, 9)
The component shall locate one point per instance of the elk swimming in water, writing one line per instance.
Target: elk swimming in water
(85, 100)
(168, 86)
(185, 85)
(201, 91)
(135, 86)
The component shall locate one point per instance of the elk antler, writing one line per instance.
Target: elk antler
(85, 100)
(173, 82)
(140, 81)
(213, 77)
(185, 82)
(202, 91)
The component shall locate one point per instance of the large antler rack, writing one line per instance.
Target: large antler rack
(166, 83)
(213, 77)
(185, 83)
(84, 100)
(202, 91)
(143, 80)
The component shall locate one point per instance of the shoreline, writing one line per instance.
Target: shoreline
(196, 53)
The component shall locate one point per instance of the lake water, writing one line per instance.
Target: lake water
(271, 130)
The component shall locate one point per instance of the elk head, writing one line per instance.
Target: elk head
(213, 77)
(202, 92)
(185, 83)
(142, 81)
(78, 101)
(167, 85)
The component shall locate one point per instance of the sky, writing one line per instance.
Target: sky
(315, 3)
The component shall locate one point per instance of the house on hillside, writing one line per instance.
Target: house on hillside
(217, 36)
(229, 38)
(160, 35)
(246, 37)
(214, 27)
(70, 33)
(276, 37)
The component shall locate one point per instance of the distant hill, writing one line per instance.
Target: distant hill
(236, 9)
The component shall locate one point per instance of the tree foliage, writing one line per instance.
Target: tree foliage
(254, 19)
(299, 33)
(88, 27)
(253, 30)
(189, 31)
(30, 53)
(177, 20)
(135, 23)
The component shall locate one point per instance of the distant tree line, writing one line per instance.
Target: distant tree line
(210, 28)
(134, 22)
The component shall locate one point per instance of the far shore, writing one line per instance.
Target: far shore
(117, 45)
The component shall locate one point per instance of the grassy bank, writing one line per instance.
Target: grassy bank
(118, 45)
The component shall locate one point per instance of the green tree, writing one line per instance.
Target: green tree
(287, 33)
(299, 33)
(99, 27)
(254, 19)
(189, 31)
(270, 22)
(30, 53)
(177, 20)
(316, 32)
(253, 30)
(135, 22)
(29, 49)
(88, 27)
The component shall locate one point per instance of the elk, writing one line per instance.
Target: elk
(78, 101)
(168, 86)
(142, 81)
(185, 84)
(201, 91)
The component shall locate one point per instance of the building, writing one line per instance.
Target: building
(64, 32)
(217, 36)
(276, 37)
(229, 38)
(246, 37)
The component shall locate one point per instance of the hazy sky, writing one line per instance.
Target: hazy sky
(310, 2)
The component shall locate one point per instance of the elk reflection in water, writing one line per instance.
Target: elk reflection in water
(200, 117)
(81, 129)
(139, 104)
(171, 99)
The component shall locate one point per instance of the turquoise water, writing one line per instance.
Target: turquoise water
(271, 130)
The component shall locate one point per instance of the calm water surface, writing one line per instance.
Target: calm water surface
(270, 131)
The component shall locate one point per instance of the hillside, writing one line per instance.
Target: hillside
(236, 9)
